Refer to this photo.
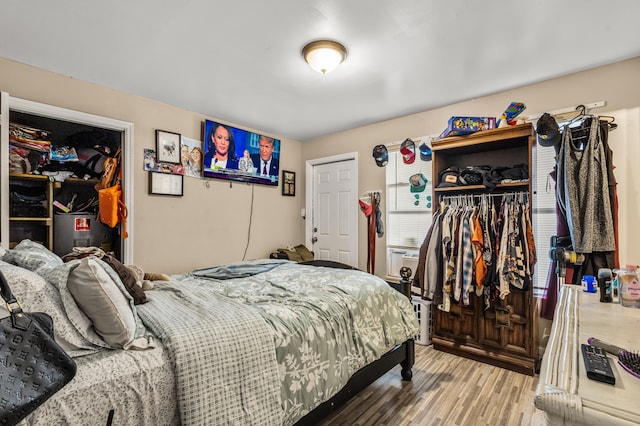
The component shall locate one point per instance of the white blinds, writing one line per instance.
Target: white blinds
(408, 213)
(544, 213)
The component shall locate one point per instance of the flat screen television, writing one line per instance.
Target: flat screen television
(236, 154)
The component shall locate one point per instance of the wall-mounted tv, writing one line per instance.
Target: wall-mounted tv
(237, 154)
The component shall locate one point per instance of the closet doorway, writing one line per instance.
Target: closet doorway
(67, 118)
(332, 208)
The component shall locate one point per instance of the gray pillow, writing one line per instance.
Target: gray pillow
(108, 306)
(32, 256)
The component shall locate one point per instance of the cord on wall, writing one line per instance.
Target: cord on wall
(250, 220)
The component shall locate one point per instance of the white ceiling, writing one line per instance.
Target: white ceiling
(239, 61)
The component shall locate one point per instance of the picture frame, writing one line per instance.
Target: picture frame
(166, 184)
(288, 183)
(167, 147)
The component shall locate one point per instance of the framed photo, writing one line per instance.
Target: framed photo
(288, 183)
(167, 147)
(165, 184)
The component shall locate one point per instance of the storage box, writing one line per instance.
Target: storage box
(465, 125)
(422, 308)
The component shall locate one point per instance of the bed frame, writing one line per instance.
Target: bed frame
(403, 354)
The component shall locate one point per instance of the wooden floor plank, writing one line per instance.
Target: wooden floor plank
(446, 390)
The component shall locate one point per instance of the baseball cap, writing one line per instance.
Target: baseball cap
(547, 130)
(381, 155)
(449, 177)
(418, 182)
(425, 152)
(408, 151)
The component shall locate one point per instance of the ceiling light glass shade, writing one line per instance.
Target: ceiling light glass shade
(324, 55)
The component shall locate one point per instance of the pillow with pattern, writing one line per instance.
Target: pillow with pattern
(37, 295)
(32, 256)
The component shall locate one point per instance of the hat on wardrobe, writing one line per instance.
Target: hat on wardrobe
(381, 155)
(408, 151)
(418, 182)
(449, 177)
(547, 130)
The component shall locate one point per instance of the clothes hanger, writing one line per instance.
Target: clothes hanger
(609, 120)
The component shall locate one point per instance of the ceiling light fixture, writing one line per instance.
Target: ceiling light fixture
(324, 55)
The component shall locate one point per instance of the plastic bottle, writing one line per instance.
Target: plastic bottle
(605, 278)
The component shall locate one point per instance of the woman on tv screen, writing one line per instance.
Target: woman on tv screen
(221, 148)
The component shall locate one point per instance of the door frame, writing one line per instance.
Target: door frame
(37, 108)
(309, 191)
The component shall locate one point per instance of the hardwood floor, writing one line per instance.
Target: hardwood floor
(445, 390)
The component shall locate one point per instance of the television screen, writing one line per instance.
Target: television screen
(236, 154)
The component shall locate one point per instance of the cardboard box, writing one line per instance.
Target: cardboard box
(464, 125)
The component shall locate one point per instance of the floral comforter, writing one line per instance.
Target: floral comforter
(326, 324)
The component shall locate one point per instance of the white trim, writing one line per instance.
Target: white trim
(4, 170)
(36, 108)
(309, 190)
(597, 104)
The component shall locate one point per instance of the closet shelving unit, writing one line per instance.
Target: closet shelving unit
(62, 122)
(472, 331)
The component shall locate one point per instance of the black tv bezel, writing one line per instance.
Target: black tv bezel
(237, 175)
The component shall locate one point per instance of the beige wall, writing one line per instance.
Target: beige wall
(617, 84)
(209, 224)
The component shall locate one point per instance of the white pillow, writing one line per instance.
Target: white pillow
(102, 301)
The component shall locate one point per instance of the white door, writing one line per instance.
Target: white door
(333, 221)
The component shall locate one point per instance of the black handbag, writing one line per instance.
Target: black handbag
(32, 365)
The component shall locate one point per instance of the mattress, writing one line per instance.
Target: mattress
(138, 386)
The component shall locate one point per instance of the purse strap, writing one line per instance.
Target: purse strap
(123, 213)
(18, 318)
(7, 295)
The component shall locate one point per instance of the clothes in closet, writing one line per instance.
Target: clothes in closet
(480, 244)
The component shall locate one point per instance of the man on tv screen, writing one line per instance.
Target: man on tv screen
(264, 161)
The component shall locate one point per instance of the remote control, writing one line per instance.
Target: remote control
(597, 364)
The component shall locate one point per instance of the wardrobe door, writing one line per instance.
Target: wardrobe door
(507, 325)
(459, 324)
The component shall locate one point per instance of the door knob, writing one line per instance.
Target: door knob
(315, 229)
(314, 240)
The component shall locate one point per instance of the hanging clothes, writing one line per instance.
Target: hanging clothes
(371, 209)
(585, 182)
(583, 190)
(470, 248)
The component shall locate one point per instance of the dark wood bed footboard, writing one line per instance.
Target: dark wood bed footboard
(403, 354)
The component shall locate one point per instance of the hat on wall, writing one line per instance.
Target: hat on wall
(425, 152)
(381, 155)
(408, 151)
(547, 130)
(418, 182)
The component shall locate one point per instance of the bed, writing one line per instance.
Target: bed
(266, 342)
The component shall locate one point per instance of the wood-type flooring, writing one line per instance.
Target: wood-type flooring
(445, 390)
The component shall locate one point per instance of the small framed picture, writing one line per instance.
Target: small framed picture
(165, 184)
(167, 147)
(288, 183)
